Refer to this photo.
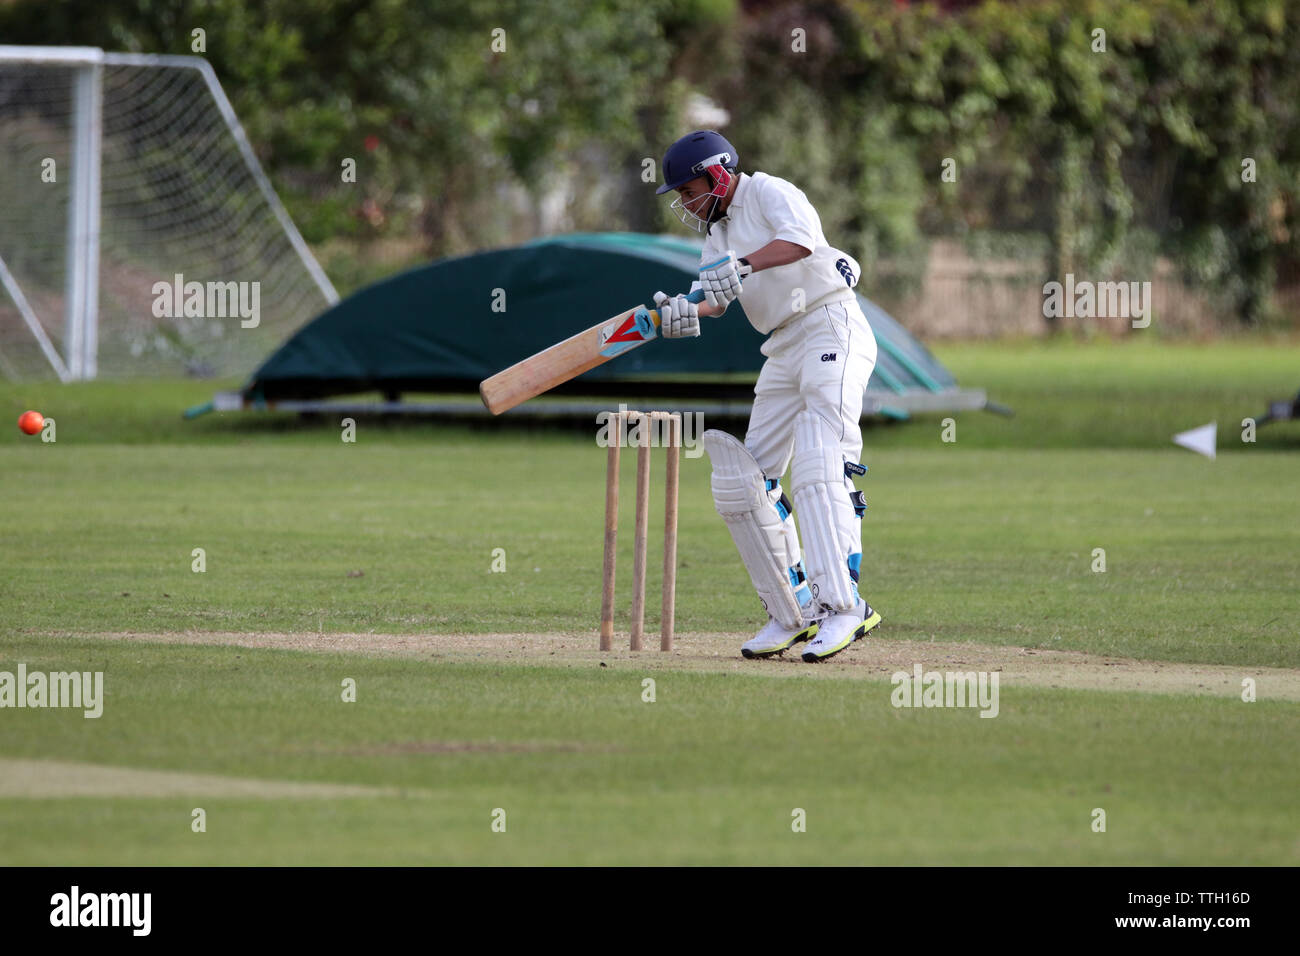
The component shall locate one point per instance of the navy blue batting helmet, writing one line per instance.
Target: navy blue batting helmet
(690, 156)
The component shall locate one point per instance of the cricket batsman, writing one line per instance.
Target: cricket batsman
(798, 290)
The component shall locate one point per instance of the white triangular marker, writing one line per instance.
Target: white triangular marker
(1200, 440)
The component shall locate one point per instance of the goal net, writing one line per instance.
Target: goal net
(139, 235)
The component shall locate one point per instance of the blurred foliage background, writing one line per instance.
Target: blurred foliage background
(478, 123)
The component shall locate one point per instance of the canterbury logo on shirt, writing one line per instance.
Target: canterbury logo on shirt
(845, 270)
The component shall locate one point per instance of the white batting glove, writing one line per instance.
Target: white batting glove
(679, 317)
(720, 280)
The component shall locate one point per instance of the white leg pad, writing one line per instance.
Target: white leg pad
(826, 517)
(741, 496)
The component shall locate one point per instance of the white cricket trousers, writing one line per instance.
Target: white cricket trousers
(820, 362)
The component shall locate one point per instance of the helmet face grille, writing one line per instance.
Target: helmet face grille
(689, 219)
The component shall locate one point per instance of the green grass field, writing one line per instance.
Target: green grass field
(479, 690)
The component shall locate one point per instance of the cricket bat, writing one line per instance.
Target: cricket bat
(568, 359)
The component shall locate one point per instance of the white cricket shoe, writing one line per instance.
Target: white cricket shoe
(840, 630)
(773, 638)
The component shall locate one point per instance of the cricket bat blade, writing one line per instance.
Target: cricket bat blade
(568, 359)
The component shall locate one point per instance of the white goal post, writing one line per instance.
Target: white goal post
(124, 177)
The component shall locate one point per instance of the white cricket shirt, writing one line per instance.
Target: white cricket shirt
(764, 208)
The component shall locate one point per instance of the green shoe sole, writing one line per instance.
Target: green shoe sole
(805, 635)
(870, 623)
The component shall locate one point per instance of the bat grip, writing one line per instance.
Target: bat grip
(696, 296)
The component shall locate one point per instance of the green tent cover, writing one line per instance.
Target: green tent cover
(449, 325)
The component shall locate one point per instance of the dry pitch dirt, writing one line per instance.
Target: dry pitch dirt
(51, 779)
(872, 659)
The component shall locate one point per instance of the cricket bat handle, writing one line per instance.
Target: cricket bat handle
(697, 296)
